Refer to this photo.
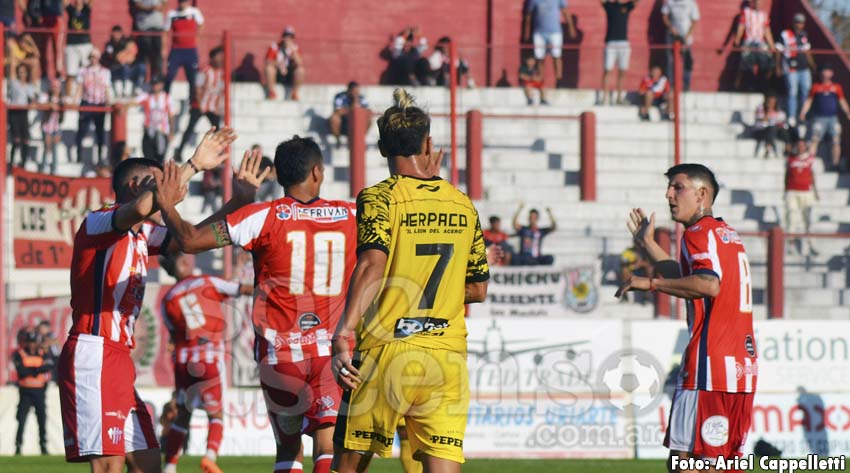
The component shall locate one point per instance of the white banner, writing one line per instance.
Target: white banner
(542, 291)
(532, 382)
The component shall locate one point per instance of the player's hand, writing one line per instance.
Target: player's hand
(435, 163)
(247, 180)
(345, 374)
(210, 153)
(170, 189)
(633, 283)
(641, 227)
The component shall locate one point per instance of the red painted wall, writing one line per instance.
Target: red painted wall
(342, 39)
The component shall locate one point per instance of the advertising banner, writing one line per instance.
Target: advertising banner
(539, 291)
(47, 212)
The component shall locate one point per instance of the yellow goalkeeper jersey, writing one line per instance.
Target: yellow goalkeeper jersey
(432, 236)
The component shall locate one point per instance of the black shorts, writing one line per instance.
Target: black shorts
(19, 127)
(289, 77)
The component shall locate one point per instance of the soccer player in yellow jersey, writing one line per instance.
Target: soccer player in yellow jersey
(421, 257)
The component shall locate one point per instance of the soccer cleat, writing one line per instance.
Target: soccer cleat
(209, 466)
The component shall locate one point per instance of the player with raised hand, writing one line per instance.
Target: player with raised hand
(105, 422)
(304, 252)
(421, 257)
(711, 412)
(192, 311)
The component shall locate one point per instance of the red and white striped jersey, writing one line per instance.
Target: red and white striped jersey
(158, 109)
(756, 25)
(657, 87)
(108, 273)
(304, 254)
(281, 55)
(211, 83)
(193, 314)
(721, 354)
(95, 82)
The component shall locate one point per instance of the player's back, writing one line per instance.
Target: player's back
(434, 244)
(721, 355)
(304, 254)
(192, 311)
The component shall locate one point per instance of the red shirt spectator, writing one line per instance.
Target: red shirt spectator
(659, 87)
(185, 23)
(798, 172)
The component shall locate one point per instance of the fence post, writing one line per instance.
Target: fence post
(453, 113)
(775, 273)
(358, 122)
(4, 343)
(677, 96)
(227, 178)
(588, 156)
(663, 305)
(118, 128)
(474, 148)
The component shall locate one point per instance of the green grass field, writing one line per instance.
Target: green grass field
(264, 465)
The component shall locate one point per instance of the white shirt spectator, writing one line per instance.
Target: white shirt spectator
(682, 15)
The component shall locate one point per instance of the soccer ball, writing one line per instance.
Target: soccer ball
(631, 377)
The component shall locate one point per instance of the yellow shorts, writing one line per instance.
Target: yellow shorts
(426, 387)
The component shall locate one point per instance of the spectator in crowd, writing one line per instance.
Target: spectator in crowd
(436, 68)
(159, 112)
(681, 17)
(51, 131)
(403, 63)
(49, 344)
(284, 65)
(94, 89)
(496, 236)
(343, 103)
(185, 24)
(211, 189)
(634, 262)
(547, 33)
(269, 189)
(531, 77)
(44, 14)
(825, 98)
(148, 24)
(78, 40)
(209, 98)
(531, 239)
(800, 191)
(617, 47)
(7, 13)
(654, 90)
(754, 36)
(20, 91)
(33, 369)
(770, 125)
(797, 63)
(23, 50)
(120, 57)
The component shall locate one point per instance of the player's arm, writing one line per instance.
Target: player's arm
(374, 234)
(477, 269)
(212, 232)
(207, 156)
(690, 287)
(515, 222)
